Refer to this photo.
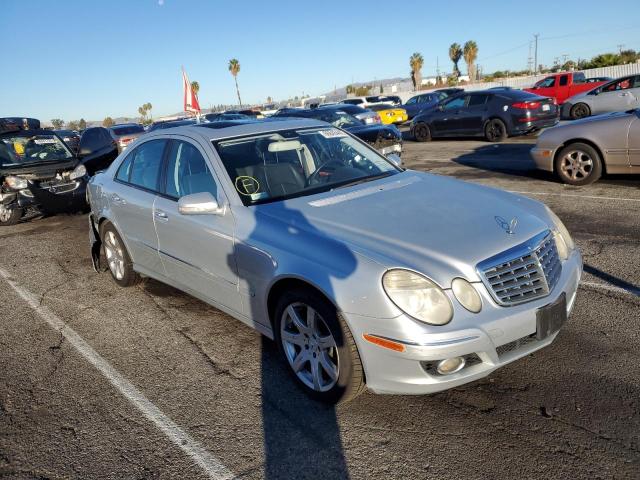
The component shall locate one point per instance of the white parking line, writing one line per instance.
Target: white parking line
(210, 464)
(592, 197)
(610, 288)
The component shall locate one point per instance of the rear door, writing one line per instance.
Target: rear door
(472, 117)
(616, 96)
(197, 251)
(137, 182)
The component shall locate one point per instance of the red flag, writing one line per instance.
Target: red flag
(190, 98)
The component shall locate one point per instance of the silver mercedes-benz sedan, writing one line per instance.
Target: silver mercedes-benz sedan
(365, 274)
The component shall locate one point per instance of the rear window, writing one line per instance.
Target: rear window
(127, 129)
(353, 101)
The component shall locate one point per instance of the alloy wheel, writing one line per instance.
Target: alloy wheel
(495, 130)
(576, 165)
(5, 213)
(309, 347)
(115, 255)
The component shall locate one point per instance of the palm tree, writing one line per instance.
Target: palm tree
(470, 54)
(147, 108)
(234, 68)
(416, 62)
(455, 53)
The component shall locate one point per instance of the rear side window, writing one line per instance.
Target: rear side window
(564, 80)
(187, 172)
(579, 77)
(477, 100)
(146, 163)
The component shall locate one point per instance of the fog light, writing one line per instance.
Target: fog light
(450, 365)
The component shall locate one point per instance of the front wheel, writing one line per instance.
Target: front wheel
(9, 216)
(579, 110)
(118, 258)
(318, 346)
(495, 130)
(578, 164)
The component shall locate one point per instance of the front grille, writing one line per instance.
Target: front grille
(523, 273)
(515, 345)
(57, 185)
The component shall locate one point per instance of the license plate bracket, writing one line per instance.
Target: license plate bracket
(550, 318)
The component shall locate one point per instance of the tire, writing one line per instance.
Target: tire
(118, 259)
(579, 110)
(495, 130)
(9, 216)
(329, 339)
(422, 132)
(578, 164)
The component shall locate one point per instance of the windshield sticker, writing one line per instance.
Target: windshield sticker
(332, 133)
(246, 185)
(44, 141)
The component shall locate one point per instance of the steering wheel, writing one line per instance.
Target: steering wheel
(313, 178)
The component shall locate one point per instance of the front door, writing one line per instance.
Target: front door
(447, 120)
(131, 201)
(615, 97)
(634, 140)
(197, 251)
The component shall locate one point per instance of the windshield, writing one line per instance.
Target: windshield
(293, 163)
(27, 147)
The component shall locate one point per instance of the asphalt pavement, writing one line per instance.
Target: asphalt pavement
(147, 382)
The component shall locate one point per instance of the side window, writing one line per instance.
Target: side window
(411, 101)
(457, 102)
(106, 136)
(547, 82)
(90, 140)
(187, 172)
(125, 169)
(477, 100)
(146, 163)
(564, 80)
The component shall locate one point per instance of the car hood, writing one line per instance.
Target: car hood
(38, 169)
(436, 225)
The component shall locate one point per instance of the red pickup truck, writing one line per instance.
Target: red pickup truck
(562, 86)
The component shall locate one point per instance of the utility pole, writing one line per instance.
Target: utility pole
(535, 64)
(530, 59)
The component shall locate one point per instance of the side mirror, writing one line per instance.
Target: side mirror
(199, 204)
(395, 159)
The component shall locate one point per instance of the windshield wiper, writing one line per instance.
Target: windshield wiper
(350, 183)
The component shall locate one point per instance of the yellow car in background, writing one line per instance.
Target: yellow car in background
(389, 114)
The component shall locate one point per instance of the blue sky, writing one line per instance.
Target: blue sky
(78, 58)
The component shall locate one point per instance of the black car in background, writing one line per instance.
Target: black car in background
(450, 92)
(220, 117)
(125, 133)
(37, 170)
(171, 123)
(97, 149)
(387, 139)
(70, 138)
(493, 114)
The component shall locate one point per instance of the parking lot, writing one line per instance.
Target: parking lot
(147, 382)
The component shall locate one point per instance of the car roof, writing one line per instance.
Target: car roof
(237, 128)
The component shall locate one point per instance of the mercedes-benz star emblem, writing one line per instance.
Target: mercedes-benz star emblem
(508, 227)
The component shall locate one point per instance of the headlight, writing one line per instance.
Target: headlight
(466, 294)
(78, 172)
(417, 296)
(564, 242)
(16, 183)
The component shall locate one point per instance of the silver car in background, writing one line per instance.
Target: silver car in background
(580, 152)
(616, 96)
(366, 275)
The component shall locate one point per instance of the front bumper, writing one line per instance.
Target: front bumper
(493, 338)
(66, 198)
(543, 158)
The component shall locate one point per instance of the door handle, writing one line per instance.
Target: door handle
(160, 215)
(623, 94)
